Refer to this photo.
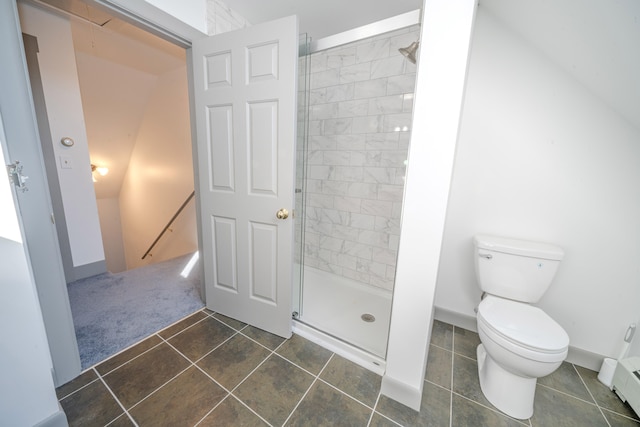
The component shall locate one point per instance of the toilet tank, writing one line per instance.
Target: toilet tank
(520, 270)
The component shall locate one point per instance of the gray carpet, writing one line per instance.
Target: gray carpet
(113, 311)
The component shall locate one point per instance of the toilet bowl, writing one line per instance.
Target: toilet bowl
(520, 343)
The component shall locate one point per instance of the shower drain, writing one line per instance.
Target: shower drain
(368, 317)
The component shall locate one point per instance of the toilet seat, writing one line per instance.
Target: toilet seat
(523, 329)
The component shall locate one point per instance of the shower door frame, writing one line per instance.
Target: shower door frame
(339, 346)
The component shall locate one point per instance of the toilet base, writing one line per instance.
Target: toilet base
(510, 393)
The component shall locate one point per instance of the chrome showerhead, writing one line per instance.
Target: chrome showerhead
(410, 51)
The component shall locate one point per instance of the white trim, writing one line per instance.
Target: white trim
(370, 30)
(359, 357)
(152, 19)
(401, 392)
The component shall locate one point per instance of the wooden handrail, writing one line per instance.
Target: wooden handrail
(164, 230)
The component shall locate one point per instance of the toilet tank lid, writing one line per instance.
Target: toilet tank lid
(518, 247)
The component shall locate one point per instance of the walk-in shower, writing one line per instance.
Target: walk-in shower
(354, 122)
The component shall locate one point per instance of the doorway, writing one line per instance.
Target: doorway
(115, 97)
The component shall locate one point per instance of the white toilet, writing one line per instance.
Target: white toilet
(520, 342)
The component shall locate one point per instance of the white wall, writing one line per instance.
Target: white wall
(64, 109)
(442, 67)
(26, 384)
(111, 227)
(160, 174)
(541, 158)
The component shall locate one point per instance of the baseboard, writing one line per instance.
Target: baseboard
(57, 419)
(88, 270)
(454, 318)
(577, 356)
(401, 392)
(585, 358)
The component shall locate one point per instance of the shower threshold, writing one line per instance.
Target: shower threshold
(350, 352)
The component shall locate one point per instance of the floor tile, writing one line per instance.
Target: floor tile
(93, 405)
(434, 410)
(379, 421)
(439, 364)
(465, 342)
(468, 413)
(442, 335)
(617, 420)
(304, 353)
(138, 378)
(567, 380)
(76, 383)
(235, 324)
(274, 389)
(552, 408)
(358, 382)
(466, 381)
(603, 395)
(183, 401)
(230, 363)
(325, 406)
(268, 340)
(122, 421)
(232, 413)
(181, 325)
(122, 358)
(201, 338)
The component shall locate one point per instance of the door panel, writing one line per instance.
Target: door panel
(245, 109)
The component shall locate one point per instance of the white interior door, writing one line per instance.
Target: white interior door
(245, 109)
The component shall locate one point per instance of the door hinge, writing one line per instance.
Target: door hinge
(16, 176)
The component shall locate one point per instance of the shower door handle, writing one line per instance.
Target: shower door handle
(282, 214)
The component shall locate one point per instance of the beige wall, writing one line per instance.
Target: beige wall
(160, 173)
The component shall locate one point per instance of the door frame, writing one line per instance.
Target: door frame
(54, 303)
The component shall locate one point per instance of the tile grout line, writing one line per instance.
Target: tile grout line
(494, 410)
(453, 353)
(272, 352)
(116, 399)
(191, 364)
(229, 392)
(150, 336)
(591, 394)
(60, 399)
(568, 395)
(316, 377)
(375, 405)
(144, 339)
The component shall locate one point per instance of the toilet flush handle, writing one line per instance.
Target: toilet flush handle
(487, 256)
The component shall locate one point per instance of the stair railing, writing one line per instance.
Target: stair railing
(173, 218)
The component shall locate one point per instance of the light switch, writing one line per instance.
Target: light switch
(65, 162)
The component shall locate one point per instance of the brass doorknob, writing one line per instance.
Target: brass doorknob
(282, 214)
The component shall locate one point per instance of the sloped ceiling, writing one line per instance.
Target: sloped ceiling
(596, 41)
(118, 68)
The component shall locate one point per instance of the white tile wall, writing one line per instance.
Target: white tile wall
(360, 102)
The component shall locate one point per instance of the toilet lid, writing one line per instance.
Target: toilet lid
(523, 324)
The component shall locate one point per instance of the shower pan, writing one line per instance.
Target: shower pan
(354, 123)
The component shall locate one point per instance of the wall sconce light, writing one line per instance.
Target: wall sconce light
(100, 170)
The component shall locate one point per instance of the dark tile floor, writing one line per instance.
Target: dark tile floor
(209, 370)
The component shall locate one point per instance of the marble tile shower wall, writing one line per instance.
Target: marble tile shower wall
(360, 102)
